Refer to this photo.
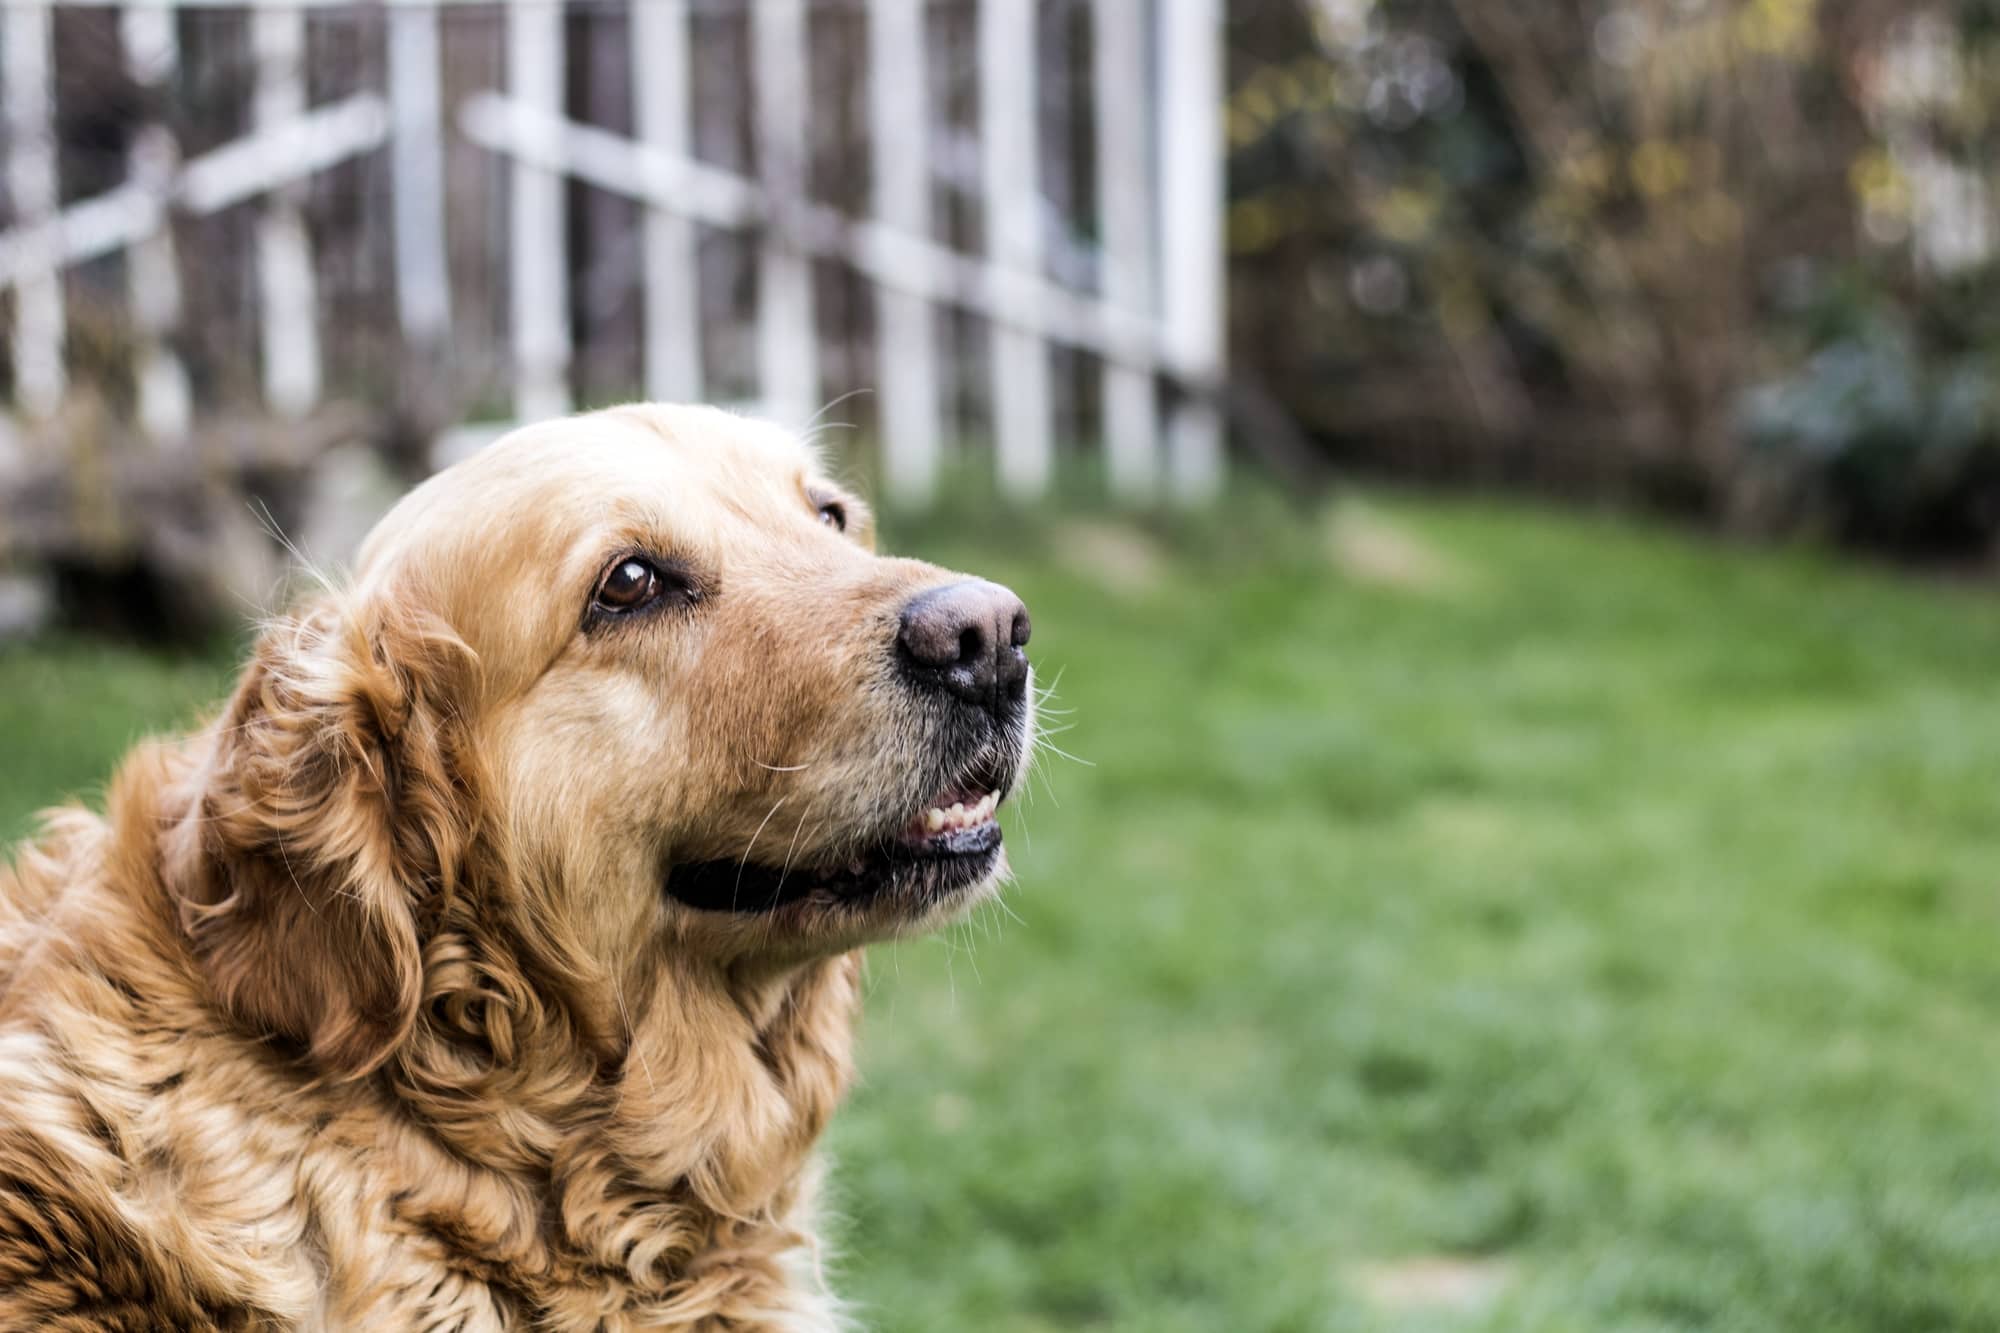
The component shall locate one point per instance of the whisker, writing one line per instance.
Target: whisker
(286, 856)
(950, 971)
(833, 403)
(972, 955)
(786, 869)
(1044, 743)
(743, 862)
(271, 529)
(1027, 802)
(631, 1036)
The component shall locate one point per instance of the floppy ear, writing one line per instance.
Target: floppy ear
(329, 818)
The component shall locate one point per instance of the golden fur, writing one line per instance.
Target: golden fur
(363, 1007)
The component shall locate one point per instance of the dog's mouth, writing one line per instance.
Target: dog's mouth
(950, 844)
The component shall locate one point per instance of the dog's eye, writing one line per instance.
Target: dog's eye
(640, 583)
(629, 585)
(834, 515)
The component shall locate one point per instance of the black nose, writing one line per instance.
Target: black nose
(966, 639)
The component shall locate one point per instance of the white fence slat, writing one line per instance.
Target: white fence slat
(423, 275)
(1191, 212)
(1125, 230)
(538, 235)
(25, 47)
(1007, 127)
(662, 112)
(87, 229)
(235, 172)
(152, 277)
(274, 156)
(153, 281)
(609, 161)
(151, 46)
(287, 281)
(888, 257)
(787, 335)
(906, 332)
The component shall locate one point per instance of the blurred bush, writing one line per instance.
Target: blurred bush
(1721, 257)
(1887, 435)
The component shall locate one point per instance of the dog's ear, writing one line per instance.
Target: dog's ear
(330, 816)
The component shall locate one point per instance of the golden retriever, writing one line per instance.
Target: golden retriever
(490, 961)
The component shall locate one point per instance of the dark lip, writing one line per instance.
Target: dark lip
(941, 866)
(917, 873)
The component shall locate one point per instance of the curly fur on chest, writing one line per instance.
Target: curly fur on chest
(501, 1169)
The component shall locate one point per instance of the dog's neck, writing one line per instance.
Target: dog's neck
(692, 1134)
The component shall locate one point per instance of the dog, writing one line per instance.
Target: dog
(491, 960)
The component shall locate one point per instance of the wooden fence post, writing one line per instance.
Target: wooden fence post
(787, 334)
(25, 42)
(661, 84)
(906, 323)
(1125, 206)
(287, 281)
(423, 273)
(1192, 203)
(1007, 129)
(152, 274)
(539, 238)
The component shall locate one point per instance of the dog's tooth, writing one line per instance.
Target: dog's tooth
(957, 812)
(933, 819)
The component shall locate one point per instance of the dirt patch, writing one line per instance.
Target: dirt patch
(1433, 1282)
(1120, 559)
(1370, 547)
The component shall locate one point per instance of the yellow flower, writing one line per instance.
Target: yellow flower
(1776, 27)
(1658, 168)
(1406, 213)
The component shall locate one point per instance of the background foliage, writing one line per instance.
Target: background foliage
(1735, 259)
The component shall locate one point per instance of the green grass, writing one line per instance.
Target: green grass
(70, 707)
(1617, 921)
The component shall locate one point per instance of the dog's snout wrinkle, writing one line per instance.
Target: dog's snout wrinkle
(966, 639)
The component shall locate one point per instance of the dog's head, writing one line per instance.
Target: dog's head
(646, 669)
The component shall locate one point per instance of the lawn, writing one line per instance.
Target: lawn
(1521, 923)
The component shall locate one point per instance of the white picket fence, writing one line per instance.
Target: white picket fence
(1152, 320)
